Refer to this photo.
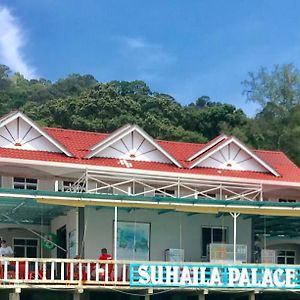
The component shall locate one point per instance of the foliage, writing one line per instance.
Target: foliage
(81, 102)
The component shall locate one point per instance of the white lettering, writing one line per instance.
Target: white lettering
(254, 277)
(172, 275)
(244, 278)
(195, 275)
(185, 276)
(290, 277)
(202, 275)
(215, 278)
(277, 276)
(143, 274)
(267, 278)
(156, 274)
(233, 275)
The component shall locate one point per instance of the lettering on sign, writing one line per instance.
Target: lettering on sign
(207, 276)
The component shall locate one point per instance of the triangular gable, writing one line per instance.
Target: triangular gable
(208, 146)
(130, 142)
(231, 154)
(17, 131)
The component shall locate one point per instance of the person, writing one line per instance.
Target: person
(76, 270)
(6, 251)
(106, 256)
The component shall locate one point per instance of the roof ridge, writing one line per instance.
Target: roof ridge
(272, 151)
(179, 142)
(76, 130)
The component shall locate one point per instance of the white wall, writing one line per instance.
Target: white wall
(165, 231)
(69, 220)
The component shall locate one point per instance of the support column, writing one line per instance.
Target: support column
(15, 295)
(252, 296)
(201, 297)
(80, 231)
(80, 295)
(235, 216)
(115, 233)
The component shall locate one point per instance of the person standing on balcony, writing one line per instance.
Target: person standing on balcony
(6, 251)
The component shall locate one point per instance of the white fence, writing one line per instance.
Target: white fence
(63, 271)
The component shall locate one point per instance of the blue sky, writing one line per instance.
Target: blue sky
(184, 48)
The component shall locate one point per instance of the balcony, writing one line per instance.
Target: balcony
(96, 274)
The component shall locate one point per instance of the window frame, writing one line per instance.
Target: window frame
(25, 246)
(25, 184)
(285, 256)
(204, 252)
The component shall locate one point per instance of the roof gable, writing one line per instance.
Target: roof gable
(231, 154)
(19, 132)
(130, 142)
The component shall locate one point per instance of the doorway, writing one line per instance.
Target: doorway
(62, 241)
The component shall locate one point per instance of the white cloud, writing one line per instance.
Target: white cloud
(149, 60)
(11, 43)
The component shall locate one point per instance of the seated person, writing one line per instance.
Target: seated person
(106, 256)
(76, 270)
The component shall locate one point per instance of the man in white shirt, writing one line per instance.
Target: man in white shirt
(6, 251)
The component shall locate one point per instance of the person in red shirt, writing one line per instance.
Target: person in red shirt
(106, 256)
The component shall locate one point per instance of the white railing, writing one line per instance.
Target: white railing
(63, 271)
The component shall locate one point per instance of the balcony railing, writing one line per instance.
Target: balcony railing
(84, 273)
(56, 271)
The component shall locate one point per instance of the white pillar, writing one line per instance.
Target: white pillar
(201, 297)
(80, 295)
(251, 296)
(115, 233)
(15, 295)
(235, 216)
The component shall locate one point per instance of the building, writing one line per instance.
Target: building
(181, 220)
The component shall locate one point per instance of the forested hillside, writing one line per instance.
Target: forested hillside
(81, 102)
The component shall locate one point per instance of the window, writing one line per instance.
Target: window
(287, 200)
(286, 257)
(68, 186)
(136, 189)
(25, 183)
(212, 235)
(24, 247)
(164, 192)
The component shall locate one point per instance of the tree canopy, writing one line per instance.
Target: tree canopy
(81, 102)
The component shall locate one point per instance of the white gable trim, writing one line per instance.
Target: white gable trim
(243, 147)
(111, 136)
(13, 116)
(210, 145)
(122, 133)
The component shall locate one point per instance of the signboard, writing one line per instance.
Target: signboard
(214, 276)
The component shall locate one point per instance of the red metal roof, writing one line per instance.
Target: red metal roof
(79, 143)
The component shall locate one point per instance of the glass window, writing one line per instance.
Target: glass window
(69, 186)
(25, 183)
(286, 257)
(25, 247)
(212, 235)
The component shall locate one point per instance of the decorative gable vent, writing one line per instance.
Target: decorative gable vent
(132, 143)
(19, 132)
(231, 154)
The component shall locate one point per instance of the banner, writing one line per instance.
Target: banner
(214, 276)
